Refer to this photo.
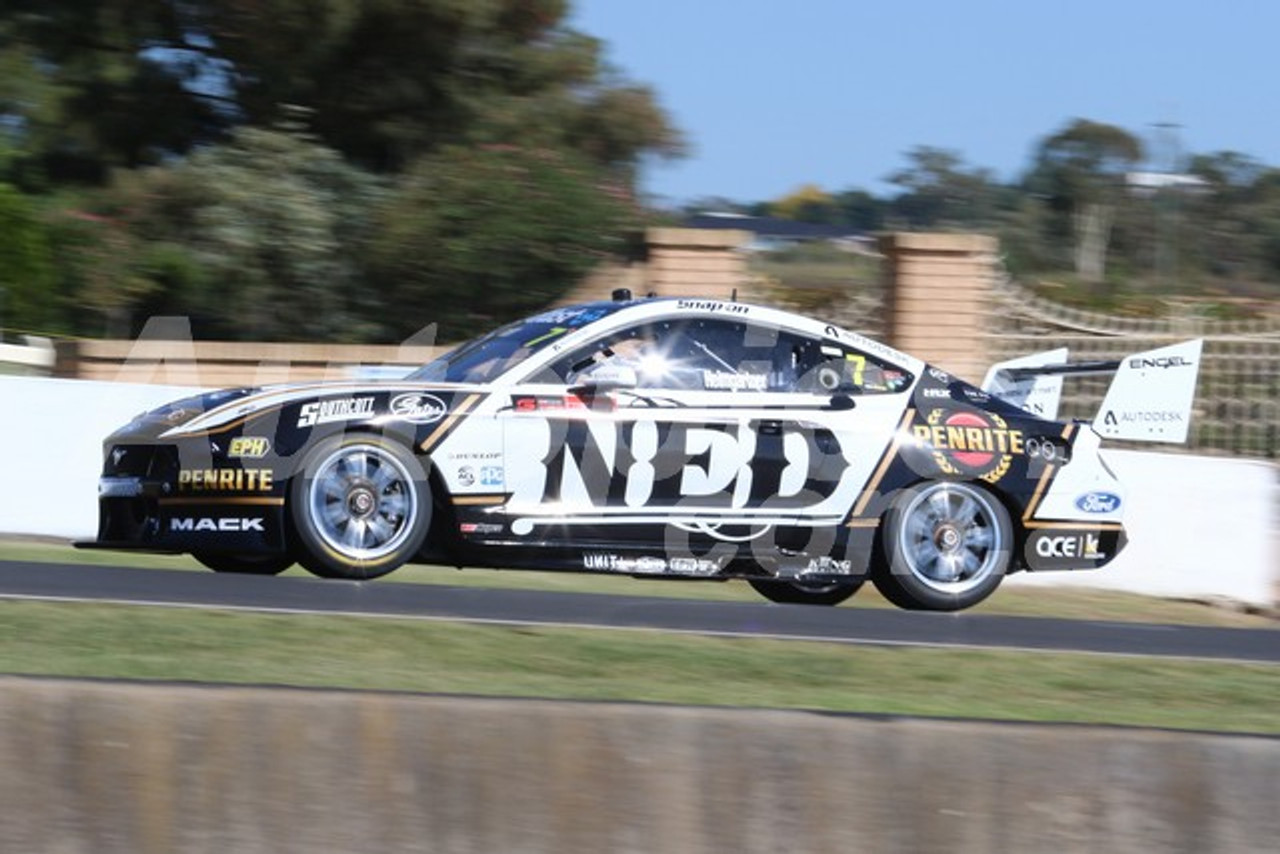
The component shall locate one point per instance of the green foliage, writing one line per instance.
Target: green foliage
(469, 159)
(153, 132)
(1074, 219)
(101, 257)
(940, 192)
(1080, 171)
(114, 83)
(26, 265)
(813, 278)
(808, 203)
(259, 238)
(473, 236)
(90, 88)
(204, 646)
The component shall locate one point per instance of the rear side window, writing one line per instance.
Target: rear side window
(718, 355)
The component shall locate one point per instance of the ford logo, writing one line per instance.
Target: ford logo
(418, 408)
(1098, 502)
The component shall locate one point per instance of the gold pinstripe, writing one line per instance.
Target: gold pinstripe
(255, 501)
(889, 455)
(443, 430)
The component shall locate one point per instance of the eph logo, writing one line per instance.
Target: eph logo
(249, 447)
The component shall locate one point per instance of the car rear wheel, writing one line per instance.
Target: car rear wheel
(245, 564)
(805, 592)
(946, 546)
(361, 506)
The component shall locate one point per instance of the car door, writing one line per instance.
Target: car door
(718, 427)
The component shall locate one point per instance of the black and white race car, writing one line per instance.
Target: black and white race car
(680, 438)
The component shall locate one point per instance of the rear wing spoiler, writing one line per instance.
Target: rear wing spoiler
(1148, 401)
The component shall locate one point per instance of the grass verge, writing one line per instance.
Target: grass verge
(148, 643)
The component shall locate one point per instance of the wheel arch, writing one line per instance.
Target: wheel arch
(313, 548)
(883, 551)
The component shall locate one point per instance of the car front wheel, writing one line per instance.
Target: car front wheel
(361, 506)
(945, 547)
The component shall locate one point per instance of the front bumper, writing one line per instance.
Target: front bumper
(141, 507)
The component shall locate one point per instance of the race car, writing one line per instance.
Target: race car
(668, 437)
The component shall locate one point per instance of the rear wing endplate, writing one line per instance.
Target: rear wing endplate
(1148, 401)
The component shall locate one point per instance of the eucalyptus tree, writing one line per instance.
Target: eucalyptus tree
(1080, 171)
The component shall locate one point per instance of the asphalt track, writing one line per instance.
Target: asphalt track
(867, 626)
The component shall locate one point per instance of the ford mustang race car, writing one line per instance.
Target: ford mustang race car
(681, 438)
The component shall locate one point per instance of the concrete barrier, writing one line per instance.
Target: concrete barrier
(1198, 526)
(35, 356)
(51, 432)
(101, 767)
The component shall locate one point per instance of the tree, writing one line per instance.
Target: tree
(1080, 171)
(129, 82)
(26, 265)
(1220, 243)
(474, 236)
(260, 238)
(938, 191)
(860, 210)
(89, 86)
(101, 259)
(212, 208)
(808, 203)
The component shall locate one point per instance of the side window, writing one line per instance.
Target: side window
(704, 354)
(691, 354)
(637, 347)
(830, 367)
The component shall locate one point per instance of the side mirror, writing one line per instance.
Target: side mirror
(841, 402)
(606, 377)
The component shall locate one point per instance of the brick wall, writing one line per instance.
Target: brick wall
(221, 364)
(938, 289)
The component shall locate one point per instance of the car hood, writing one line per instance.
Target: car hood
(152, 423)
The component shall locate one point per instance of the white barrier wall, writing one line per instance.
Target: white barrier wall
(51, 433)
(1198, 526)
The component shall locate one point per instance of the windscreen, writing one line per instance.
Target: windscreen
(488, 357)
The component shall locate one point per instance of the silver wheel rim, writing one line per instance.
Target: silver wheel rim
(950, 539)
(362, 502)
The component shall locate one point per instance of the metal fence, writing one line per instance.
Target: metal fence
(1237, 403)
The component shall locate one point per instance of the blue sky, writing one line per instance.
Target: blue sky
(774, 94)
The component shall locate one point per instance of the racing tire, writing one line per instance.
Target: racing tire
(805, 592)
(360, 506)
(245, 564)
(945, 546)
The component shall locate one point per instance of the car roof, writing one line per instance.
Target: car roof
(626, 312)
